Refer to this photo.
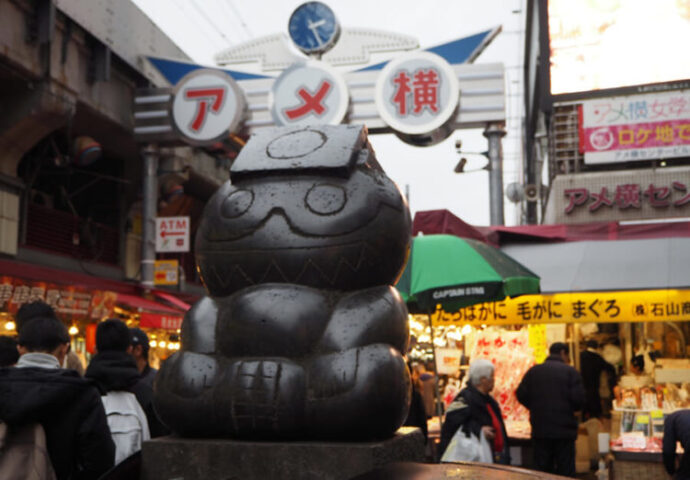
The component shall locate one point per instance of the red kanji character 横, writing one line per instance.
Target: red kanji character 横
(627, 195)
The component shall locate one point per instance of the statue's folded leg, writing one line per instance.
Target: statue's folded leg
(359, 393)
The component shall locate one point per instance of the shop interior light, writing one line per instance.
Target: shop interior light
(466, 330)
(10, 326)
(171, 345)
(454, 335)
(424, 339)
(161, 344)
(73, 330)
(153, 344)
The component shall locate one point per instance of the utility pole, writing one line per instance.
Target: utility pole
(148, 221)
(494, 132)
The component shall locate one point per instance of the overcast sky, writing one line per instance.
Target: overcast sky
(204, 27)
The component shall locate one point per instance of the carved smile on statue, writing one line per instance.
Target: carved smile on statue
(303, 218)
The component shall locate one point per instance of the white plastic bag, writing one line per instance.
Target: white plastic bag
(468, 449)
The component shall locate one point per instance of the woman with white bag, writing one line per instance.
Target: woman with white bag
(473, 428)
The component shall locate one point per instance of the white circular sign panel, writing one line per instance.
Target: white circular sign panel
(417, 93)
(310, 93)
(206, 105)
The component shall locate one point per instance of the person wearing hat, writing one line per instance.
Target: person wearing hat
(140, 352)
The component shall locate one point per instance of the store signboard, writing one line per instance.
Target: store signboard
(310, 93)
(166, 272)
(172, 234)
(67, 301)
(206, 105)
(580, 307)
(448, 360)
(601, 44)
(417, 93)
(631, 194)
(157, 320)
(636, 127)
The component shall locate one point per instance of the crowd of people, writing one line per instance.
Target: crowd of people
(88, 421)
(80, 424)
(557, 398)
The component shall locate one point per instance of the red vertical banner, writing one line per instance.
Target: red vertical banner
(91, 338)
(580, 128)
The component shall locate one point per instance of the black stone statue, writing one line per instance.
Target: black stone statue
(302, 333)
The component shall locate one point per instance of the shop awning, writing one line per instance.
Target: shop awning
(173, 300)
(152, 314)
(142, 304)
(657, 263)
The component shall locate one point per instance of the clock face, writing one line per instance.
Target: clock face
(313, 27)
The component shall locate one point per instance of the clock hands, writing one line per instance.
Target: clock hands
(313, 26)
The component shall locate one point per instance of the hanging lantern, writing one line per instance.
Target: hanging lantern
(86, 151)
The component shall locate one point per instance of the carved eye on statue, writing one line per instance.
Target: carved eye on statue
(325, 199)
(237, 203)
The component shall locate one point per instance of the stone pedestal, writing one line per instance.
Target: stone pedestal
(171, 458)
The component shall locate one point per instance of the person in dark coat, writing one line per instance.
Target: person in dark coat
(114, 368)
(474, 410)
(592, 365)
(67, 406)
(677, 429)
(553, 392)
(416, 417)
(8, 351)
(140, 352)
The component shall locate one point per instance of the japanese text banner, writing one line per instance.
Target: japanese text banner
(581, 307)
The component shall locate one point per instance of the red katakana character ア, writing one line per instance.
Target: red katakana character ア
(576, 197)
(657, 196)
(426, 90)
(627, 196)
(601, 198)
(402, 89)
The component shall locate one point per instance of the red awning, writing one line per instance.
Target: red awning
(156, 320)
(172, 299)
(29, 271)
(142, 304)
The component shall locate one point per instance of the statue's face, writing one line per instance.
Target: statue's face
(325, 231)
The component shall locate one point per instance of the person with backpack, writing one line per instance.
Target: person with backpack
(114, 369)
(67, 407)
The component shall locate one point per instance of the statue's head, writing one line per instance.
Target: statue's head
(309, 206)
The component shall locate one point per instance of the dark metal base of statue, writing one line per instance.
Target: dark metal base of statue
(302, 334)
(211, 459)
